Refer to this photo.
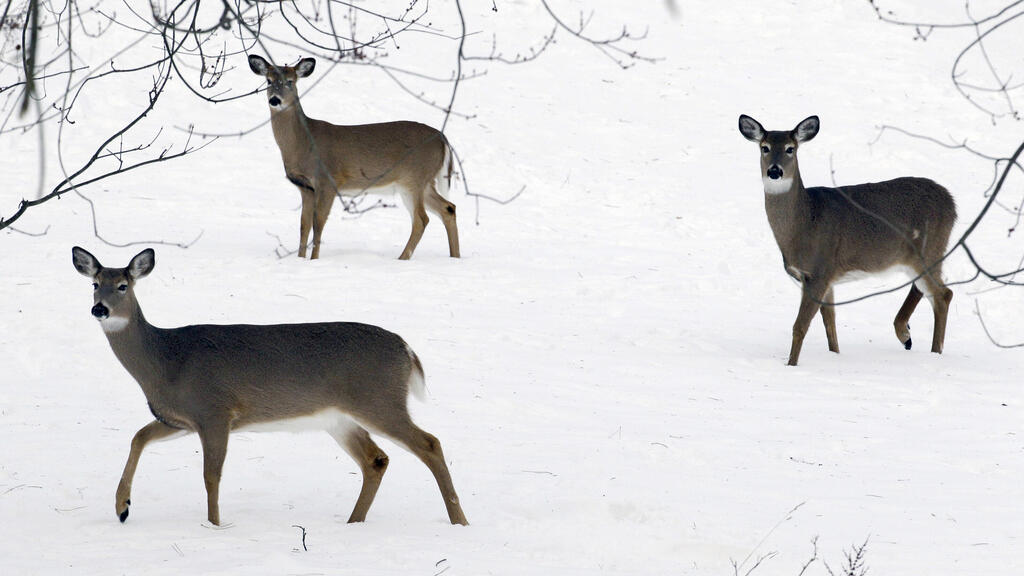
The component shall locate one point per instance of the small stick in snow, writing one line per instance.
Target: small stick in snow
(303, 536)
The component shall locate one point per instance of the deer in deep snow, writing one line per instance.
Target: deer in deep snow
(341, 377)
(323, 159)
(828, 235)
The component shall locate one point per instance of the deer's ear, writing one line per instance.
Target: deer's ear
(305, 67)
(751, 129)
(806, 129)
(258, 65)
(142, 264)
(85, 263)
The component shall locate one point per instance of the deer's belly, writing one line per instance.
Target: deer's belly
(329, 419)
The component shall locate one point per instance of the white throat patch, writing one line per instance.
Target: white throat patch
(778, 186)
(113, 323)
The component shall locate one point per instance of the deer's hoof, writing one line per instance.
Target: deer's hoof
(124, 514)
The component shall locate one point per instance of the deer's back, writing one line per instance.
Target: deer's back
(907, 203)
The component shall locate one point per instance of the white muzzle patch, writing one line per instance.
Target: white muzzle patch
(113, 323)
(777, 186)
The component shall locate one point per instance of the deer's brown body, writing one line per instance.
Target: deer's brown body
(324, 159)
(269, 389)
(344, 378)
(827, 235)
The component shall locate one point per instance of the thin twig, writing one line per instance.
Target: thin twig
(981, 319)
(303, 536)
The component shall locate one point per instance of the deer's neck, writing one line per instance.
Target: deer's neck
(138, 345)
(788, 207)
(291, 129)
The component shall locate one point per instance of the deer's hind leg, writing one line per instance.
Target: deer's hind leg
(828, 317)
(446, 210)
(427, 448)
(902, 321)
(939, 296)
(372, 461)
(414, 202)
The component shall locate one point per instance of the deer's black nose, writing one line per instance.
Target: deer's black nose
(100, 311)
(275, 101)
(774, 172)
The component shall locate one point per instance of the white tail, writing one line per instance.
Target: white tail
(323, 159)
(341, 377)
(827, 235)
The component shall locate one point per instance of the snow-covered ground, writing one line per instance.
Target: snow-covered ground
(605, 364)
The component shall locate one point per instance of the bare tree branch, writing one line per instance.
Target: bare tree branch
(981, 319)
(198, 40)
(982, 28)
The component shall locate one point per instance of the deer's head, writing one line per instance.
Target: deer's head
(778, 150)
(113, 294)
(281, 91)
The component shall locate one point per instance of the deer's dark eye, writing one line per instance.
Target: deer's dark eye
(789, 150)
(95, 286)
(765, 150)
(122, 288)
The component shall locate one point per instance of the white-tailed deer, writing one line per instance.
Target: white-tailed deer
(828, 235)
(323, 159)
(341, 377)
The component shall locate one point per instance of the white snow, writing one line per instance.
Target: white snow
(605, 366)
